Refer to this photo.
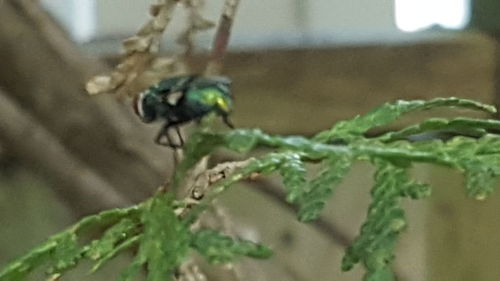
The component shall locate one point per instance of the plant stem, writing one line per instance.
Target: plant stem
(222, 35)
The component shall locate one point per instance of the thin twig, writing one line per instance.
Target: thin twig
(222, 35)
(214, 65)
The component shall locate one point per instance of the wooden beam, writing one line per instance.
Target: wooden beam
(303, 91)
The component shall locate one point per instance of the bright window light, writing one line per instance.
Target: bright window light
(77, 16)
(84, 19)
(416, 15)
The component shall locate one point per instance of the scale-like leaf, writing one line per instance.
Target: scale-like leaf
(389, 112)
(19, 269)
(218, 248)
(321, 188)
(61, 250)
(116, 239)
(163, 238)
(480, 176)
(133, 269)
(243, 140)
(294, 176)
(125, 245)
(375, 244)
(165, 241)
(462, 126)
(119, 232)
(199, 145)
(416, 190)
(66, 253)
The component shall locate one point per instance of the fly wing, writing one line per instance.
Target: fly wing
(221, 80)
(175, 84)
(213, 80)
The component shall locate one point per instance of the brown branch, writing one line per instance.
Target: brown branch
(77, 183)
(222, 35)
(201, 178)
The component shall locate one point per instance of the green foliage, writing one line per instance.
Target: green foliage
(374, 245)
(218, 248)
(320, 188)
(117, 238)
(61, 252)
(163, 239)
(293, 172)
(390, 112)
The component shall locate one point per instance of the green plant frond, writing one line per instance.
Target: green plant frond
(66, 254)
(416, 190)
(385, 221)
(479, 181)
(478, 159)
(199, 145)
(165, 241)
(263, 165)
(388, 113)
(105, 218)
(19, 269)
(244, 140)
(463, 126)
(218, 248)
(62, 251)
(321, 188)
(116, 239)
(133, 269)
(121, 247)
(293, 173)
(117, 233)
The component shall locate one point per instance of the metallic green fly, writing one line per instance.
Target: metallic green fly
(181, 99)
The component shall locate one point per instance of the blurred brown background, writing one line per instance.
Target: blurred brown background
(298, 67)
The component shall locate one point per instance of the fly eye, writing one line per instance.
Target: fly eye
(136, 104)
(145, 112)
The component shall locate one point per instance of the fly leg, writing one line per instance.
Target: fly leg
(228, 122)
(179, 135)
(164, 134)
